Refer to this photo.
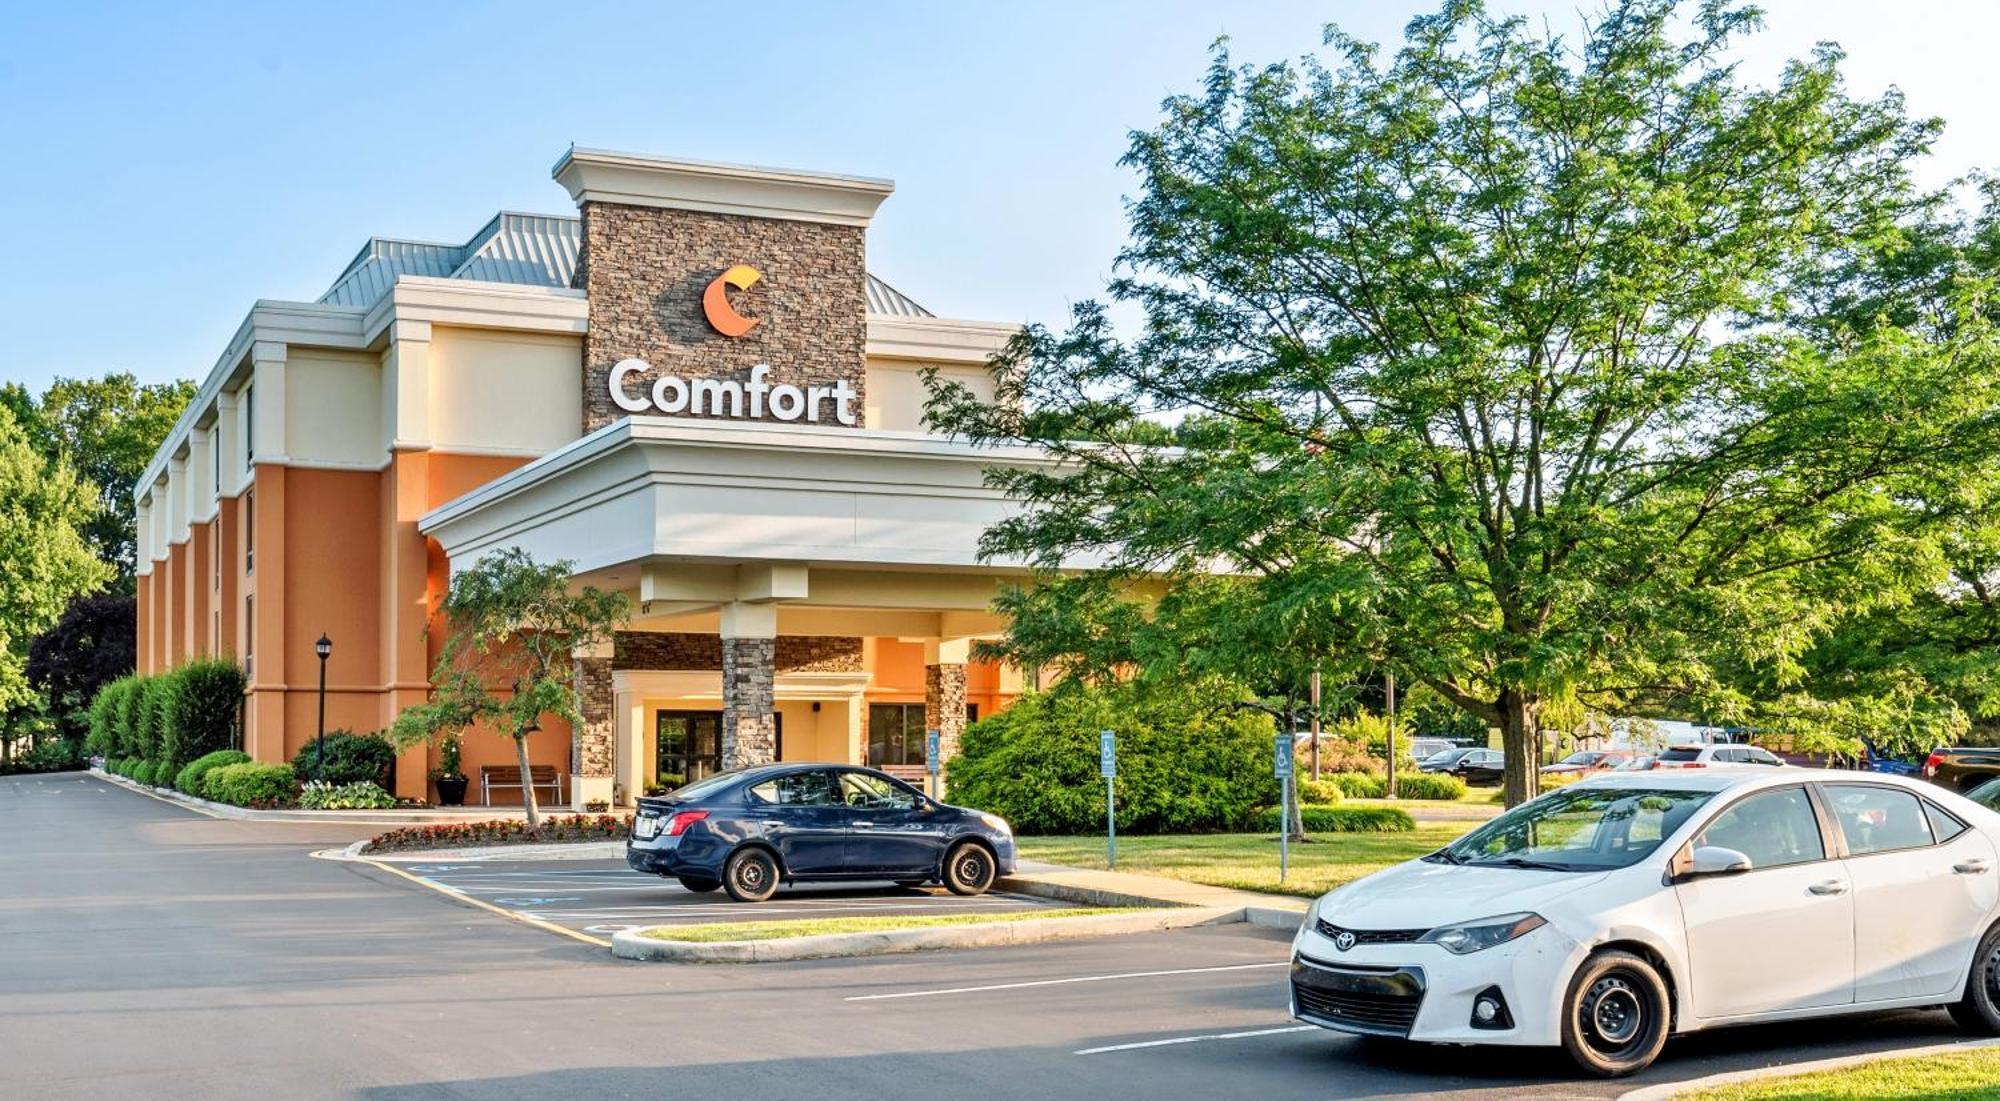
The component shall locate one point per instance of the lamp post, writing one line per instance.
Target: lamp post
(324, 648)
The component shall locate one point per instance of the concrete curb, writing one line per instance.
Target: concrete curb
(631, 945)
(1667, 1090)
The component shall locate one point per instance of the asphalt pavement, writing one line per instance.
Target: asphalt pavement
(146, 951)
(605, 897)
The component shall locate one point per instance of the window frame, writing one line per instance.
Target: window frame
(1833, 819)
(1832, 845)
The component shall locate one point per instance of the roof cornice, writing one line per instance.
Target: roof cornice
(598, 175)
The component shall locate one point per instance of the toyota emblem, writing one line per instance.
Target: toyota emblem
(1344, 941)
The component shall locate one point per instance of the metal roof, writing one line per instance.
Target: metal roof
(533, 249)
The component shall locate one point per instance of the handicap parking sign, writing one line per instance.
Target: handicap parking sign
(1281, 761)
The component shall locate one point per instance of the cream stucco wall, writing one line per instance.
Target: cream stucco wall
(896, 392)
(504, 392)
(332, 406)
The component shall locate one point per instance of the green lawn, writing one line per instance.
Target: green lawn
(812, 927)
(1249, 861)
(1956, 1076)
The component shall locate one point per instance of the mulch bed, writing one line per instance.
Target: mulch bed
(465, 835)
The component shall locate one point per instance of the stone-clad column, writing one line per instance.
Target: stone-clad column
(592, 751)
(944, 692)
(749, 693)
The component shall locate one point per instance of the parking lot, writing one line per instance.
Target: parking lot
(599, 898)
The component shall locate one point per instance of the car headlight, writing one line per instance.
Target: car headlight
(1475, 936)
(996, 822)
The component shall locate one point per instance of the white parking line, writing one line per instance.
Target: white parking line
(1195, 1039)
(1062, 982)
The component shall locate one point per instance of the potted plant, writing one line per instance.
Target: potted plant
(450, 781)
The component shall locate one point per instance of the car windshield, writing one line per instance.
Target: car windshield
(1577, 829)
(1584, 758)
(1986, 795)
(1445, 756)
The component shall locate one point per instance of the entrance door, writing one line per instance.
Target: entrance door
(690, 746)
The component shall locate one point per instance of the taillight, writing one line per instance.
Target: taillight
(1931, 764)
(682, 820)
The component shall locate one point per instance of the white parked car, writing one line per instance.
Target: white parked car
(1716, 756)
(1604, 916)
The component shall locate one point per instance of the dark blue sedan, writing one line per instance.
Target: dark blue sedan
(749, 830)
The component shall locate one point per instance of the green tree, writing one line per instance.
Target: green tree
(43, 507)
(1501, 352)
(511, 628)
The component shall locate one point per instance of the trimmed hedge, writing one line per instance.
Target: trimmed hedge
(350, 759)
(1324, 819)
(51, 754)
(252, 785)
(140, 771)
(131, 718)
(202, 709)
(1185, 761)
(360, 795)
(1429, 785)
(508, 831)
(195, 773)
(1360, 785)
(107, 710)
(1323, 792)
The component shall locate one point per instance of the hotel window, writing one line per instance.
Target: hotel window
(895, 734)
(250, 532)
(249, 430)
(971, 713)
(249, 632)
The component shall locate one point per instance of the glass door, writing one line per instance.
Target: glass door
(690, 746)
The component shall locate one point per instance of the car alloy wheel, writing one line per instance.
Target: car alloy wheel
(968, 869)
(750, 876)
(1979, 1011)
(1615, 1018)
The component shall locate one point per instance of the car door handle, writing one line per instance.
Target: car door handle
(863, 824)
(1830, 887)
(1971, 867)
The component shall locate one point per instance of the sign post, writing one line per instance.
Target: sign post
(1107, 763)
(931, 759)
(1281, 767)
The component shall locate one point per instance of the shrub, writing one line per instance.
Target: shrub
(1323, 792)
(132, 718)
(1321, 819)
(202, 713)
(195, 772)
(140, 772)
(51, 754)
(1360, 785)
(350, 758)
(160, 704)
(106, 712)
(1429, 785)
(1338, 753)
(252, 784)
(510, 831)
(360, 795)
(1183, 762)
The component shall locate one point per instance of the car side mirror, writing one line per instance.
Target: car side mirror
(1716, 860)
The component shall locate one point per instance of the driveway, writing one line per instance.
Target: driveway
(149, 952)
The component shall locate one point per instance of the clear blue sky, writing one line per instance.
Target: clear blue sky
(167, 164)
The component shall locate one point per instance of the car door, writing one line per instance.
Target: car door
(1781, 935)
(1924, 890)
(1486, 767)
(801, 815)
(891, 831)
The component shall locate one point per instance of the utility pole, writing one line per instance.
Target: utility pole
(1389, 693)
(1313, 689)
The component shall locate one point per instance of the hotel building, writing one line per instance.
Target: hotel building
(693, 391)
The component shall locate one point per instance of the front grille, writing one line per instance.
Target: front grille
(1383, 1001)
(1331, 931)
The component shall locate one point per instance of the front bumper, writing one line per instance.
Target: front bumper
(1422, 992)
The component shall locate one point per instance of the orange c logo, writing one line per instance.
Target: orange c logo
(715, 300)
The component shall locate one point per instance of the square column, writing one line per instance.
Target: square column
(749, 689)
(944, 692)
(592, 748)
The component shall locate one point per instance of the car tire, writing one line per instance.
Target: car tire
(751, 875)
(1616, 1014)
(699, 884)
(1979, 1011)
(969, 869)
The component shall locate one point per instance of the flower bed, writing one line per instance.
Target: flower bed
(511, 831)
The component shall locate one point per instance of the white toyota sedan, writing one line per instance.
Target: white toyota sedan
(1607, 915)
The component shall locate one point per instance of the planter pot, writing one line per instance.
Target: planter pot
(451, 793)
